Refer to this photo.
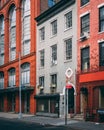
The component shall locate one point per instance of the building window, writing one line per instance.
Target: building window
(54, 27)
(12, 77)
(51, 3)
(25, 74)
(42, 56)
(101, 19)
(83, 2)
(42, 34)
(25, 27)
(85, 62)
(101, 54)
(1, 80)
(41, 84)
(53, 83)
(68, 49)
(2, 40)
(85, 23)
(12, 30)
(68, 20)
(54, 55)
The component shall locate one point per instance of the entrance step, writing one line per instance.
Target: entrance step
(78, 117)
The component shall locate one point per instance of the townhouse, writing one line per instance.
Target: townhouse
(90, 58)
(56, 52)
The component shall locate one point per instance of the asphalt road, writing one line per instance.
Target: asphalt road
(8, 124)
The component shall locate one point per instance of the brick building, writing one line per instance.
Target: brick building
(90, 69)
(18, 54)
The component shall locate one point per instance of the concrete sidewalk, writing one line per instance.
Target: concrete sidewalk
(37, 119)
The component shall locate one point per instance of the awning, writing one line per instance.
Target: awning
(47, 96)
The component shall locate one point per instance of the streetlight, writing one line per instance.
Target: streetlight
(20, 113)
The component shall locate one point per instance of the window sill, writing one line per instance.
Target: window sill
(66, 61)
(52, 36)
(67, 29)
(101, 32)
(82, 6)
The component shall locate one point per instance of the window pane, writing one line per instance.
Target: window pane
(83, 2)
(85, 58)
(101, 19)
(54, 54)
(68, 20)
(68, 49)
(85, 23)
(101, 55)
(54, 27)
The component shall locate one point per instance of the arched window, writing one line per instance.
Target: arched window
(25, 74)
(1, 80)
(12, 77)
(25, 27)
(12, 33)
(1, 40)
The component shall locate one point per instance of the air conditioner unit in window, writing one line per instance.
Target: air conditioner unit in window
(84, 36)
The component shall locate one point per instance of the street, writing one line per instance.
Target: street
(16, 124)
(9, 124)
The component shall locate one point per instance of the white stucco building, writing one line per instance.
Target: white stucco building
(56, 52)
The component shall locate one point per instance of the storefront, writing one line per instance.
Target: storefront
(47, 104)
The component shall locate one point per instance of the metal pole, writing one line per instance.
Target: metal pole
(65, 106)
(20, 113)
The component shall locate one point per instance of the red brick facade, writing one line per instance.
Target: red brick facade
(92, 79)
(30, 58)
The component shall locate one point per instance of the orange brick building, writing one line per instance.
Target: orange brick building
(90, 69)
(18, 38)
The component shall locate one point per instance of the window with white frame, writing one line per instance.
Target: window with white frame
(54, 54)
(25, 27)
(101, 19)
(1, 40)
(12, 34)
(12, 77)
(42, 34)
(25, 74)
(54, 27)
(1, 80)
(68, 20)
(68, 49)
(42, 56)
(54, 80)
(85, 23)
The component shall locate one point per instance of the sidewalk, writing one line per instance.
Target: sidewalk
(37, 119)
